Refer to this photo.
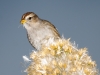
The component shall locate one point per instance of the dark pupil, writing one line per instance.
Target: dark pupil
(29, 18)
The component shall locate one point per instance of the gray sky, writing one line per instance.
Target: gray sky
(75, 19)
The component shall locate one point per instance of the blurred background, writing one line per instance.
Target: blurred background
(75, 19)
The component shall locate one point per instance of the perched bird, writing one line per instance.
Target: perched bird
(39, 31)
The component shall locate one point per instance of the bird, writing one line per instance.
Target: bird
(39, 31)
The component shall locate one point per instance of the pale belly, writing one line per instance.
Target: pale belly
(38, 38)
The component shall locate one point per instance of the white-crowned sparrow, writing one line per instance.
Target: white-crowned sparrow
(39, 31)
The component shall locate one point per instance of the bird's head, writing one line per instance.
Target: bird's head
(29, 19)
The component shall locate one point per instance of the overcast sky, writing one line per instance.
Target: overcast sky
(75, 19)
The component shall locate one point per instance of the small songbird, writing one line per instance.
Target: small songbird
(39, 31)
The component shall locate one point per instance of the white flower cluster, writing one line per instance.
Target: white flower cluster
(61, 58)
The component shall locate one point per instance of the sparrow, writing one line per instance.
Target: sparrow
(39, 31)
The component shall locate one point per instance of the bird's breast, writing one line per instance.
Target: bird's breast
(38, 37)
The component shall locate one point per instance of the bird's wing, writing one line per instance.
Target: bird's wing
(52, 27)
(29, 39)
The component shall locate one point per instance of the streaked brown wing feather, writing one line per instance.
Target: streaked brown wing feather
(52, 27)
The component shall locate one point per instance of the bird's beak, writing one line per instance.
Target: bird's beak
(22, 21)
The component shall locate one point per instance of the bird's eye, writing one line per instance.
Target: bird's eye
(30, 18)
